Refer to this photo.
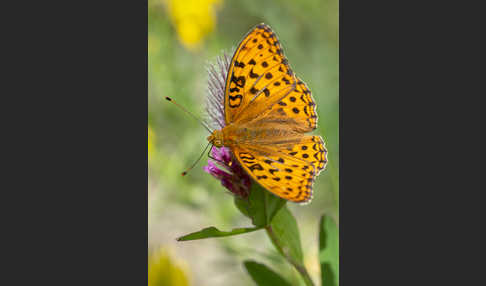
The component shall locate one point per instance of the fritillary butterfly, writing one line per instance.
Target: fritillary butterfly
(268, 110)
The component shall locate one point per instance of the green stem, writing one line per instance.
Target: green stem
(299, 267)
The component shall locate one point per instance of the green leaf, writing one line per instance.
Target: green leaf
(256, 205)
(261, 205)
(274, 204)
(242, 205)
(264, 276)
(284, 234)
(327, 276)
(214, 232)
(329, 251)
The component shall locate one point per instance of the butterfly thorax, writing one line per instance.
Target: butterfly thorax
(216, 138)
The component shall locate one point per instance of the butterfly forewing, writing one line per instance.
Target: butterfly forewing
(259, 75)
(298, 105)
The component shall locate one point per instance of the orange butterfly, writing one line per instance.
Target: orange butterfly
(267, 112)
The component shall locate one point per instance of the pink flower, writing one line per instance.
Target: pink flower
(229, 172)
(225, 167)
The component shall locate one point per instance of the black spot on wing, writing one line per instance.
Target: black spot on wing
(238, 64)
(235, 101)
(255, 167)
(252, 74)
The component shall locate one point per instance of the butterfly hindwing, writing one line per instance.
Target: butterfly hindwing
(259, 75)
(287, 170)
(311, 149)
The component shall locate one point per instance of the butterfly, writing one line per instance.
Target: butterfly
(267, 111)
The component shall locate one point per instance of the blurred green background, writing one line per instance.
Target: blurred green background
(184, 36)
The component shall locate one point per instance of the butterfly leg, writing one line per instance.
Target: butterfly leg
(217, 160)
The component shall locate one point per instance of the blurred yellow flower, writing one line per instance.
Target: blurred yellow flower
(164, 271)
(193, 19)
(151, 139)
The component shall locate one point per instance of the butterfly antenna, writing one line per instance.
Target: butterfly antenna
(193, 116)
(198, 159)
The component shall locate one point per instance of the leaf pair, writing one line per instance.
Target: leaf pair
(269, 212)
(328, 256)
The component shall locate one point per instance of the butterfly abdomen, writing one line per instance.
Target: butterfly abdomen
(259, 135)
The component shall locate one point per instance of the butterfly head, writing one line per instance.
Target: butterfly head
(216, 138)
